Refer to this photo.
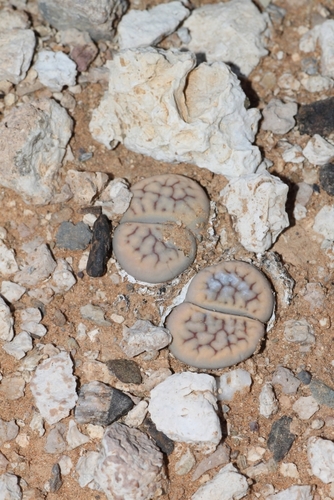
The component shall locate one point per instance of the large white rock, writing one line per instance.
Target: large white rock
(320, 453)
(159, 105)
(293, 493)
(256, 203)
(190, 414)
(55, 69)
(230, 32)
(16, 51)
(6, 322)
(324, 222)
(54, 387)
(141, 28)
(324, 34)
(33, 140)
(228, 484)
(9, 487)
(318, 151)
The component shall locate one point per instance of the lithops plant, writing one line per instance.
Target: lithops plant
(223, 316)
(156, 238)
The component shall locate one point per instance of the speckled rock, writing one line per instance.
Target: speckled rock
(129, 465)
(280, 438)
(126, 370)
(54, 387)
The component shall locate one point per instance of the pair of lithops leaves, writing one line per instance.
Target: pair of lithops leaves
(226, 306)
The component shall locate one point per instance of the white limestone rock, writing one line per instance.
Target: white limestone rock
(160, 105)
(231, 32)
(18, 347)
(55, 70)
(40, 264)
(74, 437)
(228, 484)
(231, 382)
(316, 83)
(278, 116)
(129, 465)
(318, 151)
(268, 401)
(31, 314)
(33, 140)
(8, 431)
(324, 222)
(141, 28)
(136, 416)
(190, 415)
(8, 264)
(12, 291)
(9, 487)
(85, 468)
(85, 185)
(305, 407)
(11, 19)
(256, 203)
(54, 387)
(62, 277)
(144, 336)
(320, 453)
(6, 322)
(115, 198)
(323, 34)
(16, 52)
(297, 492)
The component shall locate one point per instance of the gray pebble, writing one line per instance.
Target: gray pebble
(322, 393)
(280, 438)
(55, 480)
(73, 236)
(125, 370)
(305, 377)
(163, 442)
(55, 441)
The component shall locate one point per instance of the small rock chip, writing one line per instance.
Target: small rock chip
(55, 441)
(125, 370)
(305, 407)
(326, 176)
(286, 380)
(226, 484)
(55, 482)
(268, 401)
(73, 236)
(322, 393)
(293, 493)
(317, 117)
(280, 438)
(163, 442)
(100, 404)
(101, 247)
(185, 464)
(220, 457)
(8, 431)
(94, 314)
(9, 487)
(305, 377)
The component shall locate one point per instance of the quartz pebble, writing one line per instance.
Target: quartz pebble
(187, 419)
(129, 465)
(280, 438)
(317, 117)
(55, 70)
(318, 151)
(219, 457)
(100, 250)
(268, 401)
(297, 492)
(40, 265)
(264, 218)
(85, 185)
(227, 484)
(141, 28)
(305, 407)
(320, 453)
(9, 487)
(288, 382)
(100, 404)
(54, 387)
(238, 380)
(62, 277)
(198, 139)
(8, 264)
(6, 322)
(115, 198)
(18, 347)
(143, 336)
(278, 116)
(12, 292)
(73, 236)
(230, 32)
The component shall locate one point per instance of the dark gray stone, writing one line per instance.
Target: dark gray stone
(163, 442)
(101, 247)
(305, 377)
(326, 176)
(55, 480)
(322, 393)
(280, 438)
(100, 404)
(98, 18)
(317, 117)
(125, 370)
(73, 236)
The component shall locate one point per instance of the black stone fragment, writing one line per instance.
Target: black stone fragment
(100, 250)
(162, 441)
(317, 117)
(100, 404)
(322, 393)
(304, 376)
(326, 175)
(73, 236)
(125, 370)
(280, 438)
(55, 481)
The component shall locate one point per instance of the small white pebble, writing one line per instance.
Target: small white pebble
(95, 431)
(117, 318)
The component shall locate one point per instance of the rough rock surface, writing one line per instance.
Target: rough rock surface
(40, 264)
(320, 453)
(256, 203)
(190, 416)
(54, 387)
(278, 116)
(228, 484)
(129, 465)
(33, 140)
(229, 32)
(6, 322)
(16, 51)
(98, 19)
(55, 70)
(204, 122)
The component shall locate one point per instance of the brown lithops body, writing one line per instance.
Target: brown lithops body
(222, 319)
(155, 240)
